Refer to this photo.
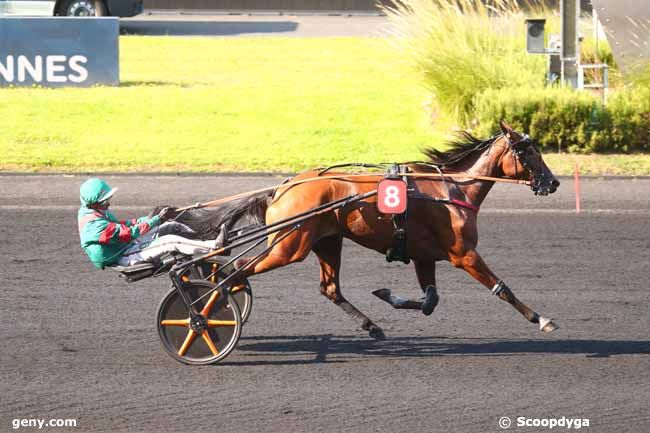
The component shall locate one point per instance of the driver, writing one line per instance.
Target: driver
(109, 241)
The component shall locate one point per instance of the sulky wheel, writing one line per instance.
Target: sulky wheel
(243, 295)
(213, 333)
(242, 292)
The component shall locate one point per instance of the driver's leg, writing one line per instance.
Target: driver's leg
(167, 244)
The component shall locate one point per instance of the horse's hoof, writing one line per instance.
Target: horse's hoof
(383, 294)
(376, 333)
(547, 325)
(430, 302)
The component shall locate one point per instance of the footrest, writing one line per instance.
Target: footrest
(139, 267)
(136, 272)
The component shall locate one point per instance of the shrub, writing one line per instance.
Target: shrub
(640, 77)
(463, 47)
(472, 58)
(563, 119)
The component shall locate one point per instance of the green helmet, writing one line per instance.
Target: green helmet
(95, 191)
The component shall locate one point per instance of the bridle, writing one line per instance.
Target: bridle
(519, 157)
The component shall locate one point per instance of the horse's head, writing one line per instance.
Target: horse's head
(522, 160)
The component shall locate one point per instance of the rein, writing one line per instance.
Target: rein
(352, 176)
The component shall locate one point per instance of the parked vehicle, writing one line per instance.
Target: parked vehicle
(73, 8)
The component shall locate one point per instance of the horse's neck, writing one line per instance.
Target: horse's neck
(484, 163)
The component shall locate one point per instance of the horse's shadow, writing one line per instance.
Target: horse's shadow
(328, 348)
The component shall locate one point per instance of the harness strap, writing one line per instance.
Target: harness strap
(398, 250)
(464, 204)
(455, 202)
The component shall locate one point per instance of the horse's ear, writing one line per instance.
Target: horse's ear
(505, 128)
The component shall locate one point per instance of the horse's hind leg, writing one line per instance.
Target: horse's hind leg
(328, 251)
(472, 262)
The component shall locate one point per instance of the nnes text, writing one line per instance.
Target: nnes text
(44, 69)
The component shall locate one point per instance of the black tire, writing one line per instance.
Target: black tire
(83, 8)
(184, 344)
(243, 293)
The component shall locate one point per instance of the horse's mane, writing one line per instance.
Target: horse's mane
(463, 146)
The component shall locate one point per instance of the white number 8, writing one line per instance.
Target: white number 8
(392, 196)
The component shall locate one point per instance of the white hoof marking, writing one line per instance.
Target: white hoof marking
(546, 325)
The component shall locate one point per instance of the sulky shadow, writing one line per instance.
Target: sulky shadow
(328, 348)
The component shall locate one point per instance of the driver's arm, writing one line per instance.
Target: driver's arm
(116, 231)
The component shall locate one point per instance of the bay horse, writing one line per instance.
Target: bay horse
(437, 231)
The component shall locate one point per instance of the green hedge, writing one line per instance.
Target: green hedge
(463, 47)
(568, 120)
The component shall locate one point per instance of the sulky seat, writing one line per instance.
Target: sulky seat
(143, 270)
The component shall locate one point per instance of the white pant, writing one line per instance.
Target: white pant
(157, 242)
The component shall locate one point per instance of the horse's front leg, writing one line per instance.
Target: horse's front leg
(472, 262)
(426, 273)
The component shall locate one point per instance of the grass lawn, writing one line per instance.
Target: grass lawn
(207, 104)
(259, 104)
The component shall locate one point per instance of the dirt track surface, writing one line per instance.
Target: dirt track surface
(80, 343)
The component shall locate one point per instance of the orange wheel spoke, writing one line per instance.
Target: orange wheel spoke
(215, 267)
(208, 305)
(213, 323)
(208, 341)
(178, 322)
(186, 344)
(237, 289)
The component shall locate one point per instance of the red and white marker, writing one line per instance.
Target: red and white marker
(391, 196)
(576, 183)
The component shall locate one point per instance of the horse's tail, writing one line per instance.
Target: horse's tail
(207, 222)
